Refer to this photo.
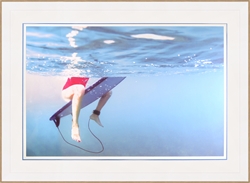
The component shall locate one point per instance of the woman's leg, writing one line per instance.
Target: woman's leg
(103, 100)
(75, 93)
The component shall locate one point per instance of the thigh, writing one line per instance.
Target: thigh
(68, 93)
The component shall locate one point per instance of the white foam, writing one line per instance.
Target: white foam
(80, 28)
(74, 59)
(72, 43)
(70, 36)
(109, 41)
(72, 33)
(152, 36)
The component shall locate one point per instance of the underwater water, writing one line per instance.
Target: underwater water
(170, 105)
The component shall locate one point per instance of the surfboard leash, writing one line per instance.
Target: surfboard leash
(81, 147)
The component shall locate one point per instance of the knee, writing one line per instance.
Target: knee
(79, 91)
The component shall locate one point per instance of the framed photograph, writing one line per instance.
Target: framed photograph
(125, 91)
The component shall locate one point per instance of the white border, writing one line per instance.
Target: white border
(223, 157)
(235, 168)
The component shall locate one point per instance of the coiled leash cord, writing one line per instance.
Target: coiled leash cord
(81, 147)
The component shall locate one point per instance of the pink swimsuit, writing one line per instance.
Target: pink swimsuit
(75, 80)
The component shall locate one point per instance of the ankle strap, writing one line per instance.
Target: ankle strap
(96, 112)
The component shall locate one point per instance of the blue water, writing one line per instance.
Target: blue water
(171, 103)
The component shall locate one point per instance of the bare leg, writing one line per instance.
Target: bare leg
(75, 93)
(103, 100)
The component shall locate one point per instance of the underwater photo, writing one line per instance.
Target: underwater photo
(121, 91)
